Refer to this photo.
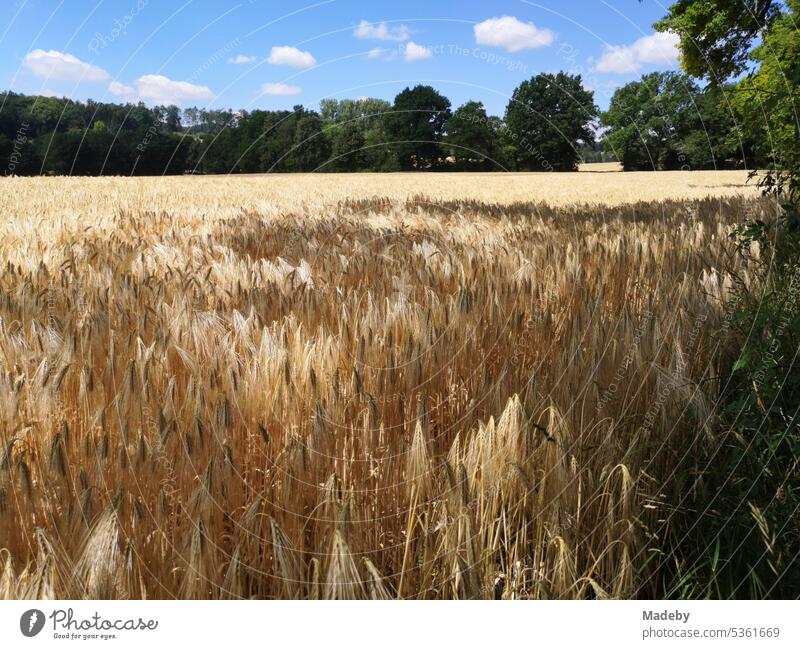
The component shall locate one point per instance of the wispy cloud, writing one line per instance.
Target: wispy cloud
(121, 90)
(381, 31)
(280, 89)
(242, 59)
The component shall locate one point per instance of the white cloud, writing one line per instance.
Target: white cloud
(280, 89)
(161, 90)
(121, 90)
(511, 34)
(416, 52)
(62, 67)
(241, 59)
(291, 56)
(660, 48)
(375, 53)
(381, 31)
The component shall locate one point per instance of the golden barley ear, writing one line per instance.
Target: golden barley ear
(287, 563)
(342, 578)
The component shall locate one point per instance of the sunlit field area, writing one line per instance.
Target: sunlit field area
(357, 386)
(98, 198)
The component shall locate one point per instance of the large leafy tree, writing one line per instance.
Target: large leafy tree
(472, 139)
(716, 43)
(769, 98)
(715, 35)
(549, 117)
(665, 121)
(718, 139)
(642, 119)
(416, 125)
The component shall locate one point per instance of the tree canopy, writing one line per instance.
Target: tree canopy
(415, 127)
(416, 132)
(549, 118)
(715, 35)
(665, 121)
(472, 140)
(717, 40)
(662, 121)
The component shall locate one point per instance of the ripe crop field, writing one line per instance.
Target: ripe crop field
(363, 386)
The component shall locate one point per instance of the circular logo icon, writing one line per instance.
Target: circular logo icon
(31, 622)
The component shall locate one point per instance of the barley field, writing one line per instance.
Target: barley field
(362, 386)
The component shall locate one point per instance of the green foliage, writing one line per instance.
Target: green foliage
(367, 111)
(415, 127)
(769, 100)
(278, 140)
(739, 532)
(549, 118)
(347, 147)
(547, 127)
(715, 35)
(716, 43)
(718, 140)
(60, 136)
(311, 147)
(665, 121)
(359, 137)
(472, 139)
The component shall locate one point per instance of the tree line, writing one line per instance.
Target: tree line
(663, 121)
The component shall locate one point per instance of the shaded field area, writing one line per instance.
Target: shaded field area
(340, 387)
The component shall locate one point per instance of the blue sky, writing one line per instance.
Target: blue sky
(250, 54)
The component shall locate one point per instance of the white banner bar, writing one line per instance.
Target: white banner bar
(404, 625)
